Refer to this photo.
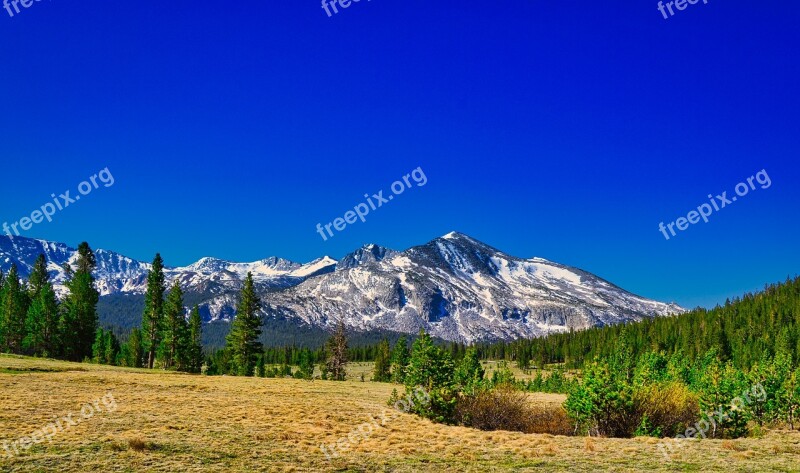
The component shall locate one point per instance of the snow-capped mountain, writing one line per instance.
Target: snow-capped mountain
(460, 289)
(114, 273)
(455, 287)
(118, 274)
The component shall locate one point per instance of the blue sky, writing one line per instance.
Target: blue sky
(555, 129)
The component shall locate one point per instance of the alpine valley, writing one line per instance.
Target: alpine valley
(455, 287)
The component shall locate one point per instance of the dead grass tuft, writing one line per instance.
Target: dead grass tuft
(137, 445)
(732, 446)
(506, 408)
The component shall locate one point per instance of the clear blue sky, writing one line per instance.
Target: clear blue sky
(563, 130)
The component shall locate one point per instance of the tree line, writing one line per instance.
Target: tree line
(34, 322)
(743, 331)
(662, 376)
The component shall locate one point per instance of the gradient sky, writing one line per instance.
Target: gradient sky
(565, 130)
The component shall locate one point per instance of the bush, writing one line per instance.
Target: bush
(506, 408)
(607, 404)
(602, 404)
(665, 409)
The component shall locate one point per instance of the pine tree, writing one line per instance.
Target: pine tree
(469, 373)
(734, 383)
(524, 360)
(110, 348)
(789, 397)
(195, 342)
(78, 322)
(98, 347)
(429, 366)
(305, 365)
(13, 312)
(432, 369)
(38, 277)
(175, 330)
(133, 350)
(382, 370)
(260, 367)
(42, 316)
(153, 315)
(41, 325)
(336, 348)
(242, 340)
(399, 361)
(2, 311)
(597, 403)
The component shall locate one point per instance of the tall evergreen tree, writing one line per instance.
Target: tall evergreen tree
(242, 340)
(98, 347)
(110, 348)
(469, 373)
(13, 312)
(399, 362)
(133, 353)
(153, 315)
(41, 325)
(38, 277)
(194, 353)
(382, 370)
(2, 312)
(78, 322)
(260, 366)
(174, 336)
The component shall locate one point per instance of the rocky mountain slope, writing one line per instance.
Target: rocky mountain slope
(455, 287)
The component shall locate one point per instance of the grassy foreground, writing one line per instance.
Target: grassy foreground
(183, 423)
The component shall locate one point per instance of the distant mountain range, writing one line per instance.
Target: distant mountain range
(455, 287)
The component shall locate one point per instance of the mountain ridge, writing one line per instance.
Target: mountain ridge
(455, 287)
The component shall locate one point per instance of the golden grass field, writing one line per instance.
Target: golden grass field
(186, 423)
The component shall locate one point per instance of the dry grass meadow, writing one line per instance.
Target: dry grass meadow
(183, 423)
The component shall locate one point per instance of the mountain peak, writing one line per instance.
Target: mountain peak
(453, 235)
(208, 263)
(369, 253)
(458, 237)
(277, 263)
